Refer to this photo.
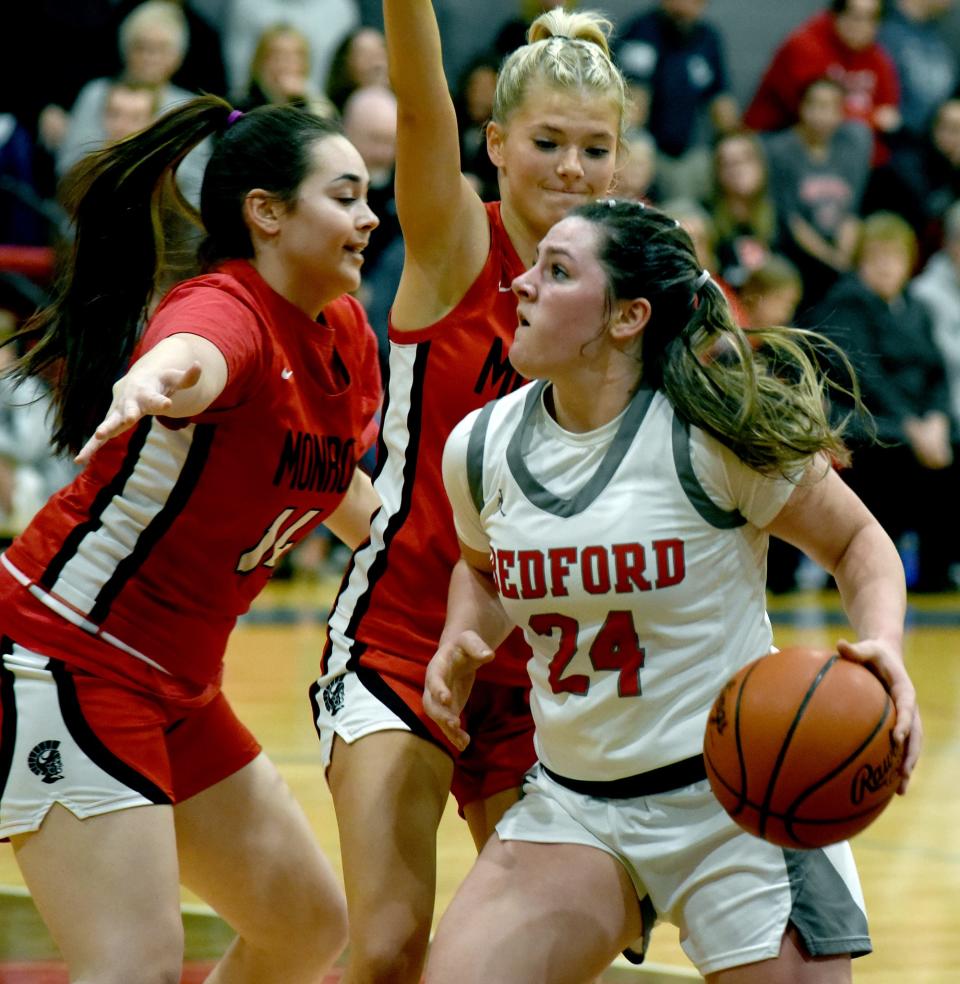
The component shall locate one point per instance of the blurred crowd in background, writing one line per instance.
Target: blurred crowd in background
(823, 192)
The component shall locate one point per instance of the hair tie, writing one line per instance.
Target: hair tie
(235, 114)
(701, 280)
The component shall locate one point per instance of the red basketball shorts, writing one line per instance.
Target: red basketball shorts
(96, 746)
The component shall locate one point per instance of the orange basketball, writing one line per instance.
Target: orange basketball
(799, 748)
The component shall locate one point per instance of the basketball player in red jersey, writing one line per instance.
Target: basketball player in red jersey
(236, 427)
(554, 138)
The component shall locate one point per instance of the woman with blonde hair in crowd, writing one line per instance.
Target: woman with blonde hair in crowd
(153, 40)
(280, 72)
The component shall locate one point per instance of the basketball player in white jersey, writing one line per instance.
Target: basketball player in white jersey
(618, 510)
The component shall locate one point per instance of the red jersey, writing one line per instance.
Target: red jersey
(868, 76)
(141, 566)
(394, 594)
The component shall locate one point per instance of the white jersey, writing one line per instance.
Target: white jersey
(633, 558)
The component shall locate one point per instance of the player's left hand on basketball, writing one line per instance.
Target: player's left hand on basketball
(137, 395)
(887, 663)
(449, 680)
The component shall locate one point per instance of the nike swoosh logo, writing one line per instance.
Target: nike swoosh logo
(286, 373)
(504, 290)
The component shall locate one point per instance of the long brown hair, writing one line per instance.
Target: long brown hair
(765, 401)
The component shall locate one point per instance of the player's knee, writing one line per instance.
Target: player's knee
(330, 932)
(158, 961)
(135, 966)
(314, 934)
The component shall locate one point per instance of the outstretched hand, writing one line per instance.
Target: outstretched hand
(135, 396)
(889, 667)
(449, 680)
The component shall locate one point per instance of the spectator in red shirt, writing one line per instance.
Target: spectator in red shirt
(839, 43)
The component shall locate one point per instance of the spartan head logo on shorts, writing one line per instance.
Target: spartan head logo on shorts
(45, 761)
(333, 696)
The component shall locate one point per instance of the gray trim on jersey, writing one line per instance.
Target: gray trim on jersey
(543, 498)
(827, 917)
(475, 445)
(722, 519)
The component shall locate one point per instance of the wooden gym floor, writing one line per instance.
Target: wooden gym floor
(909, 859)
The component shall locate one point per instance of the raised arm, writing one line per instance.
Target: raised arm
(444, 223)
(179, 377)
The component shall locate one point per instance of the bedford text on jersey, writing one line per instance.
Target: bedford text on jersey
(621, 568)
